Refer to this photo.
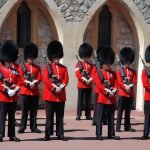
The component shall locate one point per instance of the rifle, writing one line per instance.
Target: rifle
(123, 75)
(145, 67)
(27, 75)
(52, 77)
(83, 72)
(104, 82)
(7, 84)
(97, 64)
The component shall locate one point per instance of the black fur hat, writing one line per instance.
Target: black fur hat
(8, 52)
(55, 50)
(98, 52)
(126, 55)
(85, 50)
(31, 51)
(147, 54)
(106, 55)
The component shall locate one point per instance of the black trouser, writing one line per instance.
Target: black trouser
(147, 117)
(125, 103)
(104, 116)
(7, 108)
(110, 110)
(84, 94)
(95, 108)
(29, 103)
(51, 108)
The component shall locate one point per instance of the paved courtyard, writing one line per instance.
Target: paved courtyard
(80, 135)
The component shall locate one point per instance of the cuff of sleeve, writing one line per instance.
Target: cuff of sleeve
(5, 91)
(28, 85)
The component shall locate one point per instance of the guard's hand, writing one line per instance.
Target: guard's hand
(114, 91)
(109, 92)
(11, 92)
(127, 88)
(62, 86)
(90, 80)
(85, 80)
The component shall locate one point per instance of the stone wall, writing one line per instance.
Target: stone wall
(126, 37)
(5, 33)
(144, 7)
(74, 10)
(88, 33)
(2, 2)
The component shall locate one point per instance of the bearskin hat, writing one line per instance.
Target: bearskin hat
(85, 50)
(106, 55)
(147, 54)
(8, 52)
(55, 50)
(98, 52)
(126, 55)
(31, 51)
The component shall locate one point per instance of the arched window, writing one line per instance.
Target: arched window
(104, 31)
(23, 25)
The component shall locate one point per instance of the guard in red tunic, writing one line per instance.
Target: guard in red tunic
(127, 79)
(96, 91)
(146, 85)
(31, 77)
(9, 85)
(83, 72)
(55, 77)
(95, 97)
(106, 82)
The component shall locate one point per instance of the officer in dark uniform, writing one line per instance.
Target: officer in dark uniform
(9, 85)
(31, 77)
(83, 71)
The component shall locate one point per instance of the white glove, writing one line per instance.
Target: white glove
(58, 89)
(11, 92)
(89, 81)
(108, 91)
(17, 88)
(62, 86)
(114, 90)
(130, 85)
(127, 87)
(27, 82)
(85, 80)
(35, 81)
(32, 84)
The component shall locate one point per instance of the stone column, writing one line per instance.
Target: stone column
(72, 38)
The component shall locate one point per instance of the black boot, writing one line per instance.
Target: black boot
(15, 139)
(47, 138)
(78, 118)
(61, 137)
(113, 137)
(99, 137)
(35, 131)
(1, 139)
(144, 137)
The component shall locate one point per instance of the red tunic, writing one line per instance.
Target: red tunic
(146, 85)
(94, 71)
(131, 74)
(62, 74)
(36, 73)
(12, 76)
(110, 76)
(88, 68)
